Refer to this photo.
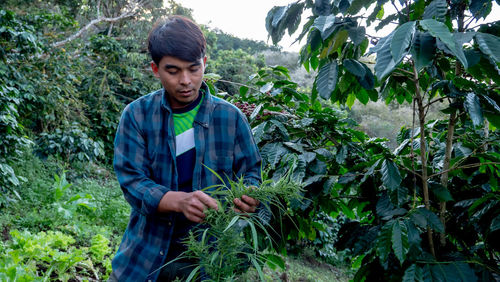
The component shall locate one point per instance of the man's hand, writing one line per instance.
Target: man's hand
(192, 204)
(246, 204)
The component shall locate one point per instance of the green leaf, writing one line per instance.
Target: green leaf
(368, 82)
(357, 5)
(386, 209)
(459, 271)
(390, 175)
(436, 9)
(385, 63)
(400, 240)
(326, 80)
(259, 131)
(274, 260)
(325, 25)
(255, 240)
(461, 151)
(493, 103)
(480, 8)
(282, 129)
(257, 267)
(489, 45)
(495, 224)
(441, 193)
(193, 273)
(273, 152)
(362, 96)
(399, 196)
(341, 154)
(293, 17)
(267, 87)
(384, 241)
(244, 90)
(413, 273)
(354, 67)
(357, 34)
(231, 223)
(351, 98)
(430, 218)
(423, 49)
(441, 31)
(278, 15)
(256, 111)
(273, 23)
(473, 107)
(314, 41)
(400, 43)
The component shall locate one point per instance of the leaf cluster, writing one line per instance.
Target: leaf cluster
(228, 242)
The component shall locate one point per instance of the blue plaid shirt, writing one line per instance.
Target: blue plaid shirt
(145, 166)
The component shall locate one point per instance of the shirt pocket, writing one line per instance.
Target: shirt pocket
(216, 168)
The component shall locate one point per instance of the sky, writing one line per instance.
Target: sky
(246, 18)
(242, 18)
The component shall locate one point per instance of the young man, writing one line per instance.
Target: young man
(164, 143)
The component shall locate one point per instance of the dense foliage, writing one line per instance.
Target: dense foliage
(427, 210)
(441, 182)
(66, 99)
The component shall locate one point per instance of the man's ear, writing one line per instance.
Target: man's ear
(154, 67)
(205, 61)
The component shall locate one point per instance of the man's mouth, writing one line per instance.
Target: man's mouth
(185, 92)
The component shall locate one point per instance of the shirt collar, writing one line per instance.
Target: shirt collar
(205, 109)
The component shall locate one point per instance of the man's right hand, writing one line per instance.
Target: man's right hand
(192, 204)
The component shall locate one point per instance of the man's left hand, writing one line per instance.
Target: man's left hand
(245, 204)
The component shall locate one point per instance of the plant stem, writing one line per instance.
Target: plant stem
(423, 151)
(444, 175)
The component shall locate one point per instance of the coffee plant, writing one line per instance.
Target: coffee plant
(414, 192)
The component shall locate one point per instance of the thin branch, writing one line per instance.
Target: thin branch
(412, 156)
(465, 166)
(123, 96)
(395, 7)
(405, 72)
(412, 170)
(435, 101)
(238, 84)
(132, 11)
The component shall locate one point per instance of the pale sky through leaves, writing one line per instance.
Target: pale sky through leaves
(246, 18)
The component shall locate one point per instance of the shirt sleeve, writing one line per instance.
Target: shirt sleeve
(247, 158)
(132, 166)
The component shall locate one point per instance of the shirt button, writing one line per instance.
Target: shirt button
(169, 223)
(161, 253)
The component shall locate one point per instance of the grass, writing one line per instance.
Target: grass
(302, 268)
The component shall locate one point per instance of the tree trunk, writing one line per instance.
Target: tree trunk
(445, 169)
(423, 152)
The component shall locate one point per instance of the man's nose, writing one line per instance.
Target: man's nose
(184, 78)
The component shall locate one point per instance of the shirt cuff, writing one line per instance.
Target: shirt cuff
(152, 199)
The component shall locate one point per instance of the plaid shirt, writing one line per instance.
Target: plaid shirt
(145, 166)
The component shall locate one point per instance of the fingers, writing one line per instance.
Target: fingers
(249, 200)
(195, 205)
(206, 200)
(246, 204)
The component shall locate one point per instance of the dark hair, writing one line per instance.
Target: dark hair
(178, 37)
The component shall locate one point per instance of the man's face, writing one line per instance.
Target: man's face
(181, 79)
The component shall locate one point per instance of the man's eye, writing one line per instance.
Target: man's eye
(172, 72)
(194, 69)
